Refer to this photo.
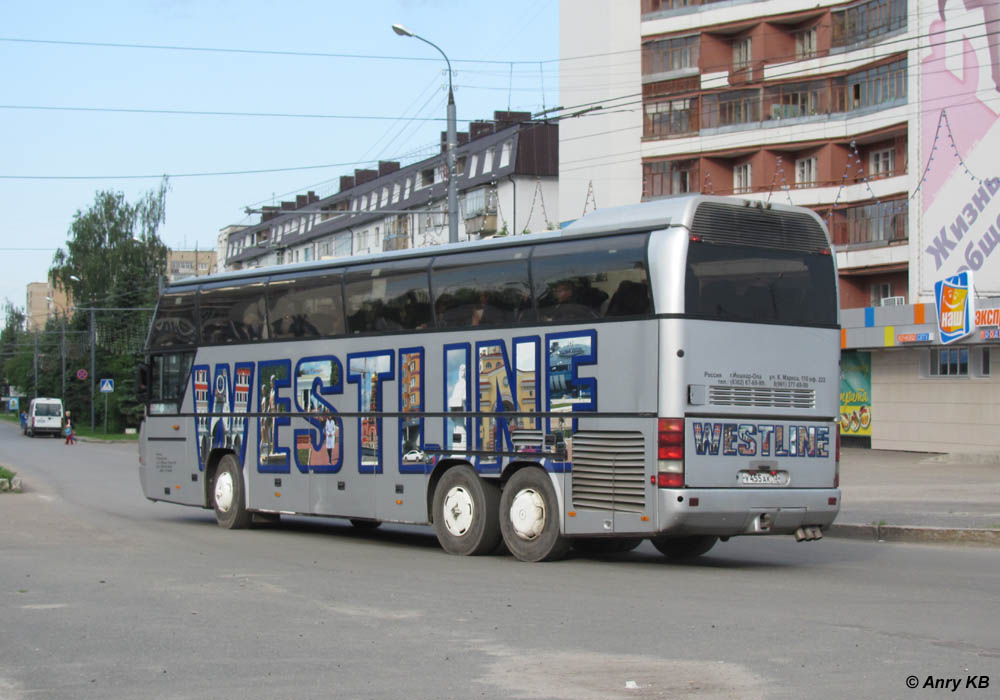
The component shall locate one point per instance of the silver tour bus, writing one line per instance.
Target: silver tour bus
(665, 371)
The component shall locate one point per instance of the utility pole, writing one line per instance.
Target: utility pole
(93, 366)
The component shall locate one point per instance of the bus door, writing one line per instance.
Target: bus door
(169, 464)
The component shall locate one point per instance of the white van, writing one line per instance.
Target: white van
(44, 417)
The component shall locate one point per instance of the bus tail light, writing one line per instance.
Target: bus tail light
(670, 453)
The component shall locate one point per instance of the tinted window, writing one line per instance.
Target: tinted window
(309, 307)
(743, 283)
(174, 323)
(387, 297)
(232, 314)
(594, 278)
(482, 289)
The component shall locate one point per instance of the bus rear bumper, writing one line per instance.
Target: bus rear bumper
(732, 512)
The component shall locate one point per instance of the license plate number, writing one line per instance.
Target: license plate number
(764, 478)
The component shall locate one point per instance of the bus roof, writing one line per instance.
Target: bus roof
(665, 212)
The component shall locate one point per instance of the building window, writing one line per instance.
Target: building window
(870, 223)
(669, 118)
(741, 178)
(668, 55)
(869, 88)
(668, 177)
(488, 160)
(427, 177)
(882, 163)
(805, 43)
(866, 21)
(505, 151)
(406, 188)
(984, 365)
(805, 172)
(949, 362)
(395, 193)
(473, 164)
(731, 108)
(741, 54)
(880, 291)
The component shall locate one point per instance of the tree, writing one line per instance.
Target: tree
(114, 259)
(12, 339)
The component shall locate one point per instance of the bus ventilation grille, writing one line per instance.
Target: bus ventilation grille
(609, 471)
(771, 228)
(761, 397)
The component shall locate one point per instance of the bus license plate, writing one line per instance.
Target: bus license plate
(764, 478)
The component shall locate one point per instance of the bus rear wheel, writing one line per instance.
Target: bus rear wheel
(684, 547)
(529, 517)
(466, 512)
(229, 495)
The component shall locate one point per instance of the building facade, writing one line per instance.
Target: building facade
(189, 263)
(881, 115)
(45, 300)
(507, 183)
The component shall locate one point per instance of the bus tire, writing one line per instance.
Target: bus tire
(529, 517)
(229, 495)
(606, 545)
(684, 547)
(466, 512)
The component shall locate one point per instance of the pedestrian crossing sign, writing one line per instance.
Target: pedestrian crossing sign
(107, 386)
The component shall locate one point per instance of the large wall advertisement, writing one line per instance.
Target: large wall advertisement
(958, 218)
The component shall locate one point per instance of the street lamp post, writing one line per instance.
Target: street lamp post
(452, 139)
(62, 347)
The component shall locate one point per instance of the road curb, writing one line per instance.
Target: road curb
(901, 533)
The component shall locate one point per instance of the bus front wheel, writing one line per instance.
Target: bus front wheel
(466, 512)
(228, 495)
(529, 517)
(684, 547)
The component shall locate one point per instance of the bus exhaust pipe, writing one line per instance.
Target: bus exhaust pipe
(808, 534)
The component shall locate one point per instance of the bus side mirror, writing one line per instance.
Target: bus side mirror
(142, 382)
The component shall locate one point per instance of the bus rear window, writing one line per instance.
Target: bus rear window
(744, 283)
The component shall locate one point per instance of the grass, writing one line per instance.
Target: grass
(6, 473)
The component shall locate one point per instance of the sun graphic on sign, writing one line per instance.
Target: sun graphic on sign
(952, 298)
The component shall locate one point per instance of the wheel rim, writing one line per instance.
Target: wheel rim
(224, 491)
(527, 514)
(459, 511)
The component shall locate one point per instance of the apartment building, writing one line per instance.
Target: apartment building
(881, 115)
(189, 263)
(507, 184)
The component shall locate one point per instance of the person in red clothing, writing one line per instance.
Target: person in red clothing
(68, 431)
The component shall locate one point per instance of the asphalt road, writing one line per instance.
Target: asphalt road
(106, 595)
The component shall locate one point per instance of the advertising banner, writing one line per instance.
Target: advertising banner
(856, 393)
(954, 300)
(958, 220)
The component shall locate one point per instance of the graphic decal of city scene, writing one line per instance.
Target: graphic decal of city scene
(320, 447)
(457, 394)
(411, 400)
(273, 376)
(494, 396)
(367, 370)
(220, 397)
(568, 392)
(526, 362)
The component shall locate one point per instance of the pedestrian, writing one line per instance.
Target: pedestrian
(68, 430)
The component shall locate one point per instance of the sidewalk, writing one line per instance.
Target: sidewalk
(919, 497)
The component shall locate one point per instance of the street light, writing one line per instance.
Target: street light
(62, 349)
(93, 359)
(452, 139)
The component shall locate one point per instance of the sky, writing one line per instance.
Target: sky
(110, 96)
